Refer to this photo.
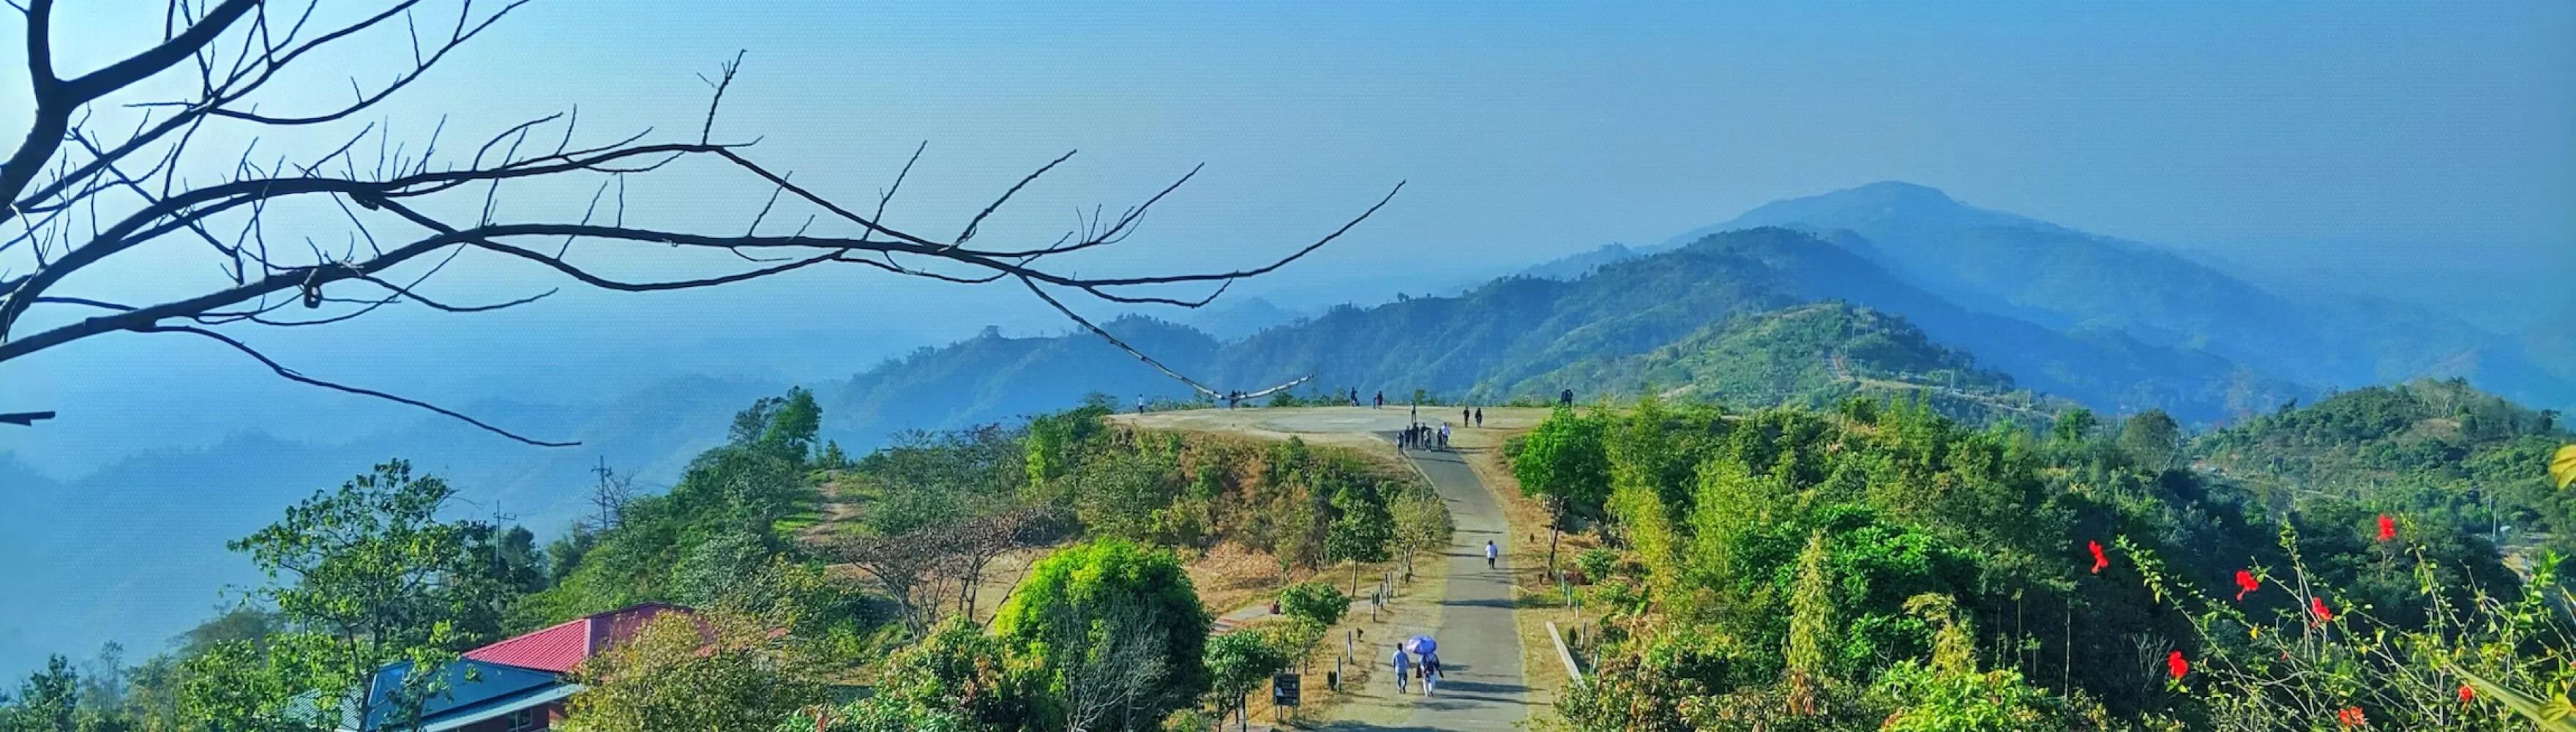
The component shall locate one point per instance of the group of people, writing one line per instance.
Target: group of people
(1423, 436)
(1408, 667)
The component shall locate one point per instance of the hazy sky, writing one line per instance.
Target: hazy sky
(2404, 143)
(2424, 151)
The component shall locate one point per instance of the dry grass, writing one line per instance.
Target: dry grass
(1231, 576)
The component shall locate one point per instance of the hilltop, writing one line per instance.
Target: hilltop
(2436, 449)
(2065, 279)
(1806, 354)
(1508, 336)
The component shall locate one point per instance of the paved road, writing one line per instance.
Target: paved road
(1479, 647)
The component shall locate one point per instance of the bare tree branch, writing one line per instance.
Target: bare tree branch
(393, 233)
(299, 377)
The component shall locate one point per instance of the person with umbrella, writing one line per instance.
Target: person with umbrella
(1429, 651)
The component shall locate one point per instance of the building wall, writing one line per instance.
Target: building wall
(552, 713)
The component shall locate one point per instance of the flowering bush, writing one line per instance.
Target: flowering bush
(2338, 663)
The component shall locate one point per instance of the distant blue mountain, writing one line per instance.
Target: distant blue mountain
(1232, 319)
(1575, 266)
(134, 552)
(1490, 338)
(2074, 282)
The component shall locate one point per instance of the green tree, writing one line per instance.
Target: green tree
(956, 678)
(750, 424)
(1055, 440)
(1238, 662)
(792, 426)
(2151, 438)
(2074, 426)
(253, 685)
(1317, 602)
(49, 700)
(721, 569)
(1563, 459)
(1949, 694)
(1088, 611)
(1811, 624)
(1361, 532)
(713, 671)
(512, 555)
(1422, 524)
(371, 576)
(833, 458)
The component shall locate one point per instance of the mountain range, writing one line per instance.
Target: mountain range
(1885, 288)
(2068, 280)
(1519, 336)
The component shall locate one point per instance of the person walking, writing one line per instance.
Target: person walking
(1403, 667)
(1430, 673)
(1444, 435)
(1465, 414)
(1381, 401)
(1490, 553)
(1480, 417)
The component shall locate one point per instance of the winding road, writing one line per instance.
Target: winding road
(1480, 651)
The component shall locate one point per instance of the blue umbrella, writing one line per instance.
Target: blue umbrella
(1421, 644)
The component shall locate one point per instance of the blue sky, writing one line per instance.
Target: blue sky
(2421, 151)
(1534, 129)
(2424, 151)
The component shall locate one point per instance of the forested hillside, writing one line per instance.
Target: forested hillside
(811, 573)
(2438, 450)
(152, 527)
(1879, 567)
(1514, 330)
(993, 378)
(1812, 355)
(2065, 279)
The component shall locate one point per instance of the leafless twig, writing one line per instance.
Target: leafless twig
(79, 198)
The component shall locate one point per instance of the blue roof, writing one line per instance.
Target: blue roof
(469, 687)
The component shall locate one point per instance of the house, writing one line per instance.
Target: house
(475, 697)
(559, 648)
(515, 685)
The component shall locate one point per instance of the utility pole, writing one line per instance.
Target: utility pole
(609, 497)
(498, 518)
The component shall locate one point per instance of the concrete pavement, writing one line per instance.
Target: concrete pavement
(1480, 651)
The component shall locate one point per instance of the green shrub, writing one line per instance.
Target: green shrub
(1318, 602)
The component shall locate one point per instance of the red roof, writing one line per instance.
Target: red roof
(559, 648)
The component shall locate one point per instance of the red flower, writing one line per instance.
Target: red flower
(2245, 582)
(2351, 717)
(2099, 559)
(2466, 695)
(2177, 666)
(2387, 528)
(2317, 607)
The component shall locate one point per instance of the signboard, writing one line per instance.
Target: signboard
(1283, 690)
